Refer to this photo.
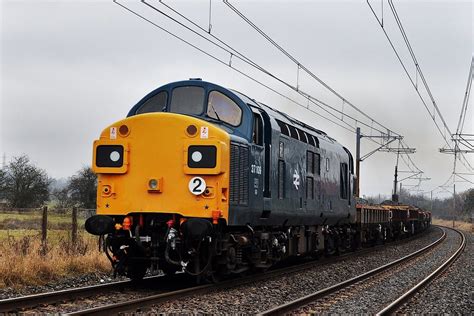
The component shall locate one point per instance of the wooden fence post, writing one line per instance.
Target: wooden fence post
(44, 230)
(74, 226)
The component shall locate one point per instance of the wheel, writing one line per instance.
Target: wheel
(169, 269)
(137, 272)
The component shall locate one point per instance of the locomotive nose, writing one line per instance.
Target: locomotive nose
(162, 163)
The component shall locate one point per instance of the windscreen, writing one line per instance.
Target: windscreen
(187, 100)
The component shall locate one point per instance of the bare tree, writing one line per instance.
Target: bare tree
(63, 198)
(2, 184)
(83, 188)
(468, 198)
(25, 185)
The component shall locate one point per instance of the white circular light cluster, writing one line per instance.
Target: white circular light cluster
(196, 156)
(114, 156)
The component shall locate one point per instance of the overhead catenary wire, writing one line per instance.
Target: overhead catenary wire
(462, 115)
(302, 67)
(310, 73)
(233, 52)
(226, 64)
(422, 77)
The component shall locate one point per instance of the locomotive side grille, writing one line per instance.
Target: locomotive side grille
(239, 181)
(243, 176)
(234, 174)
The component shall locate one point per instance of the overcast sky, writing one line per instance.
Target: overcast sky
(70, 68)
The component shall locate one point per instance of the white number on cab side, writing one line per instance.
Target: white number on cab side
(197, 185)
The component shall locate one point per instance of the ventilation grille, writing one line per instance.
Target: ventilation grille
(239, 174)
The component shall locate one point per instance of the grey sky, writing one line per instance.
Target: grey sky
(70, 68)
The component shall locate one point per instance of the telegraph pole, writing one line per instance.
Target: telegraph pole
(454, 201)
(358, 162)
(400, 190)
(395, 195)
(386, 140)
(432, 201)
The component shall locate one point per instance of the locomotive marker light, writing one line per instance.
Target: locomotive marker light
(202, 156)
(191, 130)
(124, 130)
(110, 157)
(114, 156)
(196, 156)
(197, 185)
(155, 185)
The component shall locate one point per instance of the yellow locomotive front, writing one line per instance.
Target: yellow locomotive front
(162, 163)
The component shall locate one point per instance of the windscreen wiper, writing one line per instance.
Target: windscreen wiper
(215, 112)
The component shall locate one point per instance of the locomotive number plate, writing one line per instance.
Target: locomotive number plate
(197, 185)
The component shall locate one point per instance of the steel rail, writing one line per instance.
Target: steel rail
(140, 303)
(396, 304)
(28, 301)
(295, 304)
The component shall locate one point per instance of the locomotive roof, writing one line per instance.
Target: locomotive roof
(276, 114)
(241, 99)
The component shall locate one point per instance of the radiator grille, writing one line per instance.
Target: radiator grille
(239, 174)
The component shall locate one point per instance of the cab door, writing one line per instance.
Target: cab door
(257, 165)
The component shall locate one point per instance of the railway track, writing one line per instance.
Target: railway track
(26, 302)
(140, 303)
(341, 291)
(405, 297)
(151, 296)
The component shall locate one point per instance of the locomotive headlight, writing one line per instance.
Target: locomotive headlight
(153, 184)
(109, 156)
(196, 156)
(114, 156)
(202, 156)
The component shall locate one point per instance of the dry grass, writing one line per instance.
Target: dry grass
(23, 260)
(468, 227)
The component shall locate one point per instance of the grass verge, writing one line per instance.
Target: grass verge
(465, 226)
(23, 261)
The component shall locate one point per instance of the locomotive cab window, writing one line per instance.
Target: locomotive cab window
(344, 181)
(156, 103)
(257, 129)
(222, 108)
(317, 164)
(283, 128)
(187, 100)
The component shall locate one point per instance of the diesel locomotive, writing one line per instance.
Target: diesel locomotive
(204, 179)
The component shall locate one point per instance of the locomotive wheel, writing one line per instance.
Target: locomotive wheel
(231, 259)
(137, 272)
(169, 269)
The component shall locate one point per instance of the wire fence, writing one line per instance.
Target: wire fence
(51, 225)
